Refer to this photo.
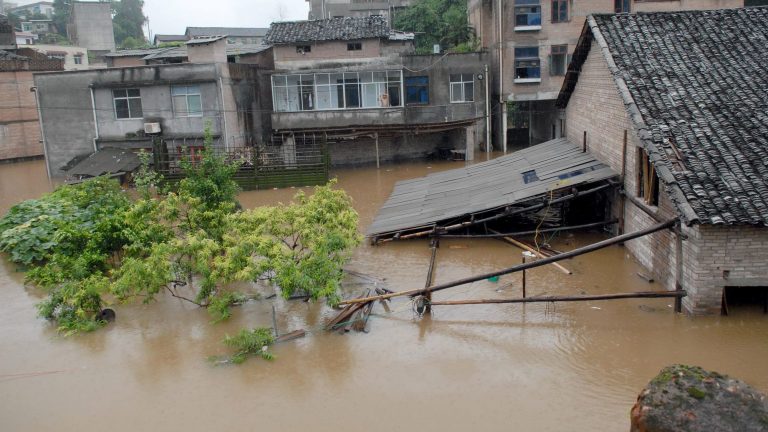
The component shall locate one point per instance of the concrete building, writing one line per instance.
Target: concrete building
(357, 84)
(236, 53)
(676, 102)
(33, 9)
(109, 108)
(90, 26)
(38, 27)
(163, 38)
(19, 127)
(538, 38)
(75, 58)
(235, 35)
(324, 9)
(25, 38)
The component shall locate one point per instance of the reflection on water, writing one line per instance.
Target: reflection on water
(537, 367)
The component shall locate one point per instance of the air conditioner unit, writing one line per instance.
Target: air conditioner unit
(152, 128)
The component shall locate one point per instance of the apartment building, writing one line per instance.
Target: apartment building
(324, 9)
(537, 40)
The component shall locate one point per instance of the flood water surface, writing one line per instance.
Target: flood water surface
(535, 367)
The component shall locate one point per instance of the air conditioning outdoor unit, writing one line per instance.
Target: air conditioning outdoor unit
(152, 128)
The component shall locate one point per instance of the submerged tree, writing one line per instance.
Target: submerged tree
(89, 242)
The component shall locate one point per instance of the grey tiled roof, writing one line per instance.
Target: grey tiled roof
(346, 28)
(229, 31)
(695, 85)
(5, 55)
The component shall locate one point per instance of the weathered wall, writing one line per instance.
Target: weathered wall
(721, 256)
(214, 52)
(597, 108)
(19, 130)
(125, 61)
(91, 26)
(391, 149)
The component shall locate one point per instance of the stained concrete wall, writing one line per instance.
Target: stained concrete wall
(90, 26)
(362, 151)
(597, 108)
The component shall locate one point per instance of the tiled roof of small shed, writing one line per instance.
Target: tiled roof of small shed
(346, 28)
(695, 85)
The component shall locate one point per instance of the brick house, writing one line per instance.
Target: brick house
(676, 102)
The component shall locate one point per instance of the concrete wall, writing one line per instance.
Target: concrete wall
(597, 108)
(19, 130)
(391, 149)
(319, 9)
(90, 26)
(132, 61)
(214, 52)
(68, 117)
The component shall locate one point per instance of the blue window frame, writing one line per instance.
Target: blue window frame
(527, 13)
(417, 90)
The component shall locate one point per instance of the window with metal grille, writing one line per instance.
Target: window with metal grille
(527, 13)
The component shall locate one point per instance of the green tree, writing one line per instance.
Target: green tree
(442, 22)
(128, 21)
(61, 9)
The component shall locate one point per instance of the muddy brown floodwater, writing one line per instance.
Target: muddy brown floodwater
(538, 367)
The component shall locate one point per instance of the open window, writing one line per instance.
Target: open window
(647, 180)
(527, 15)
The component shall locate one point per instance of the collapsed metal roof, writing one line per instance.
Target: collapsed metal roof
(106, 161)
(506, 181)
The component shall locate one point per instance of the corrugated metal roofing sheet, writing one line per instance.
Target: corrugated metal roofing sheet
(505, 181)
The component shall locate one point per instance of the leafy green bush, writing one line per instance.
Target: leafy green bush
(247, 343)
(76, 305)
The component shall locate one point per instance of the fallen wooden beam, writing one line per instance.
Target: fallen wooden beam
(551, 299)
(360, 324)
(291, 336)
(520, 267)
(524, 233)
(538, 254)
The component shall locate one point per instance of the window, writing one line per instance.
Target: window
(622, 6)
(560, 12)
(647, 180)
(462, 88)
(187, 101)
(354, 46)
(527, 64)
(303, 49)
(127, 103)
(417, 90)
(527, 14)
(324, 91)
(78, 59)
(558, 60)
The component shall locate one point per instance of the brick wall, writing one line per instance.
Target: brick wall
(720, 256)
(328, 51)
(597, 107)
(19, 130)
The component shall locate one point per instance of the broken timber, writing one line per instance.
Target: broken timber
(576, 252)
(553, 299)
(523, 233)
(538, 253)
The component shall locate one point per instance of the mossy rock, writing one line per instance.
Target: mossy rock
(685, 398)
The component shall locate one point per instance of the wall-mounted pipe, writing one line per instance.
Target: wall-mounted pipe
(42, 132)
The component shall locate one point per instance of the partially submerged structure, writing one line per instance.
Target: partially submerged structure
(676, 102)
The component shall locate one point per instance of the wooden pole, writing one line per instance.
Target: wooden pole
(524, 233)
(505, 213)
(376, 137)
(434, 244)
(551, 299)
(584, 143)
(679, 269)
(576, 252)
(622, 202)
(523, 277)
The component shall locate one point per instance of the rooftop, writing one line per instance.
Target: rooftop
(229, 31)
(332, 29)
(696, 88)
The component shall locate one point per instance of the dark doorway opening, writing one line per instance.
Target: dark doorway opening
(740, 298)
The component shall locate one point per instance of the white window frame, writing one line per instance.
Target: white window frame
(461, 82)
(77, 59)
(128, 99)
(186, 91)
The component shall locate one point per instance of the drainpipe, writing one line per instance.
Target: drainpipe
(224, 113)
(501, 79)
(42, 132)
(95, 121)
(487, 111)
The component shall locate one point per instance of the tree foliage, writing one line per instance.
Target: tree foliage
(128, 22)
(89, 242)
(61, 10)
(442, 22)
